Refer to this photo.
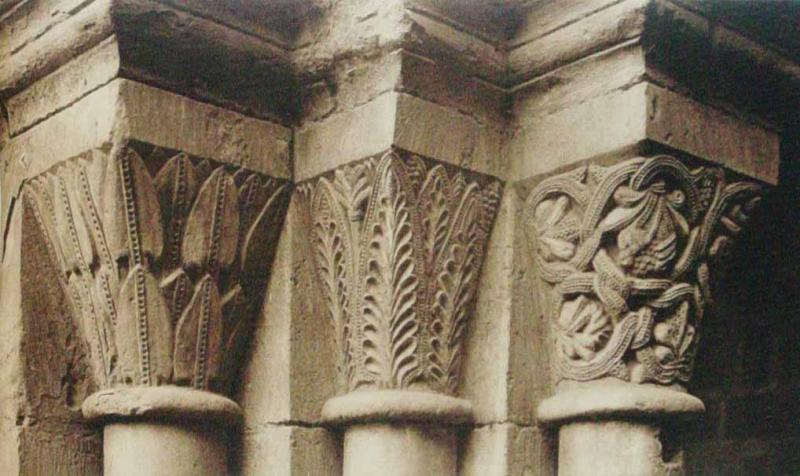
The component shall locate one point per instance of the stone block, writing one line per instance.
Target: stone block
(444, 134)
(625, 117)
(602, 29)
(504, 449)
(364, 131)
(63, 87)
(486, 364)
(404, 121)
(56, 37)
(290, 450)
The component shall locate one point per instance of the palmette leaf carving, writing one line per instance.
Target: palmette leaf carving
(389, 286)
(623, 255)
(398, 244)
(164, 266)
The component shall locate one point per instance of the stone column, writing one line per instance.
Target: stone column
(640, 149)
(162, 258)
(399, 242)
(626, 256)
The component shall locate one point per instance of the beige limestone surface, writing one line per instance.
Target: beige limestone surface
(516, 90)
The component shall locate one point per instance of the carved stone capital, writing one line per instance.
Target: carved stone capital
(624, 256)
(164, 258)
(399, 241)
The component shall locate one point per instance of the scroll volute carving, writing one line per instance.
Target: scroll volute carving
(399, 243)
(165, 262)
(624, 257)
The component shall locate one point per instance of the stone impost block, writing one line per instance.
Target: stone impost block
(629, 118)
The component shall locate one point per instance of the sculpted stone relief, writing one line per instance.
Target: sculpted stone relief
(623, 254)
(399, 242)
(164, 259)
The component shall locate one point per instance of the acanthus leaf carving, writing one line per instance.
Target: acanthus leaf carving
(399, 243)
(155, 263)
(623, 257)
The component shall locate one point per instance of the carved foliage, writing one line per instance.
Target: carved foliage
(623, 257)
(399, 244)
(165, 269)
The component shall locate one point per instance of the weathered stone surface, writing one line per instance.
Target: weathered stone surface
(599, 126)
(48, 435)
(406, 122)
(616, 448)
(63, 87)
(486, 376)
(39, 37)
(518, 90)
(399, 450)
(289, 383)
(625, 117)
(286, 449)
(163, 449)
(502, 449)
(123, 109)
(604, 28)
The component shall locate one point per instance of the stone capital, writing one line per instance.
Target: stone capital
(625, 256)
(399, 242)
(164, 258)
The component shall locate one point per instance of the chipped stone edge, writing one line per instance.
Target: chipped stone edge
(385, 406)
(614, 401)
(167, 402)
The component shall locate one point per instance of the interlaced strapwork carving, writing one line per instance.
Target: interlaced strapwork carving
(399, 244)
(622, 255)
(165, 266)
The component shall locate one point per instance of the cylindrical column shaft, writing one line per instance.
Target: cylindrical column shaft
(164, 449)
(164, 430)
(399, 450)
(615, 448)
(398, 432)
(618, 428)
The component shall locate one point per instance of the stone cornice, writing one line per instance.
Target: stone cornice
(272, 51)
(684, 47)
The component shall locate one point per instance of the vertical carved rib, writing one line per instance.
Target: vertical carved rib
(398, 245)
(188, 252)
(388, 290)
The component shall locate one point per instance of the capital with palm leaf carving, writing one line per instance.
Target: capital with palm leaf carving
(399, 241)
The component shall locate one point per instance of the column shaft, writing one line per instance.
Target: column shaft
(618, 448)
(164, 449)
(399, 450)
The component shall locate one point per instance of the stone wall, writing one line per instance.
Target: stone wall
(430, 126)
